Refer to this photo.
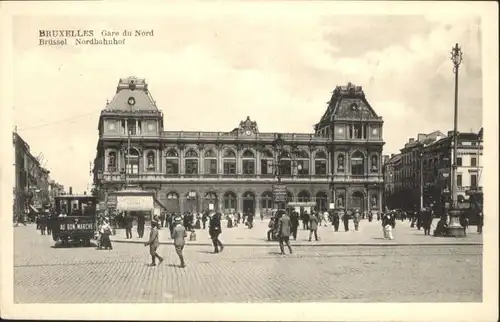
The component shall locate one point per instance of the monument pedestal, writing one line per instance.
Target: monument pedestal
(454, 229)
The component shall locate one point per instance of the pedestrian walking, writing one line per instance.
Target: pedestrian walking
(162, 219)
(388, 222)
(105, 231)
(284, 231)
(271, 225)
(427, 221)
(154, 243)
(336, 219)
(141, 222)
(325, 218)
(294, 222)
(356, 219)
(313, 226)
(305, 220)
(180, 234)
(129, 222)
(214, 231)
(345, 219)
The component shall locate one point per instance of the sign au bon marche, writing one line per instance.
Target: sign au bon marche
(279, 192)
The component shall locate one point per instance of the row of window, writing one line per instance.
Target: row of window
(301, 164)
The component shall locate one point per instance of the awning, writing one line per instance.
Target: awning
(134, 203)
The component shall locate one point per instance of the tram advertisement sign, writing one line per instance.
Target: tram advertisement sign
(279, 192)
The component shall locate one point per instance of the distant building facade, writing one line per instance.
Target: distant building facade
(234, 171)
(32, 184)
(424, 169)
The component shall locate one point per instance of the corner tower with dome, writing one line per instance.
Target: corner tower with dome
(234, 170)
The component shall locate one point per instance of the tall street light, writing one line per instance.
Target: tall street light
(454, 227)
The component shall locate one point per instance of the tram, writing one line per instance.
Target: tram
(75, 219)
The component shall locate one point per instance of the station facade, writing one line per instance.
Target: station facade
(339, 163)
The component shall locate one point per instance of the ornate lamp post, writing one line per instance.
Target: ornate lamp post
(278, 189)
(454, 227)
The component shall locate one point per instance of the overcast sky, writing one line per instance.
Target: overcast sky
(210, 72)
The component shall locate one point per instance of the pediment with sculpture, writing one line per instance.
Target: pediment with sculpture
(247, 127)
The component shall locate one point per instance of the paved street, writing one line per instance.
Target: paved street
(370, 233)
(244, 274)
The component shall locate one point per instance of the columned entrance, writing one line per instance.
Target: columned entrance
(249, 202)
(358, 201)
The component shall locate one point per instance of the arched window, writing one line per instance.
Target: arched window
(285, 163)
(172, 196)
(248, 162)
(320, 163)
(357, 163)
(374, 167)
(321, 201)
(266, 162)
(112, 161)
(267, 201)
(210, 162)
(191, 161)
(304, 196)
(133, 161)
(229, 201)
(210, 199)
(302, 162)
(229, 162)
(172, 164)
(150, 160)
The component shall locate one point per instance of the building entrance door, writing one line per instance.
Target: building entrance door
(358, 201)
(249, 202)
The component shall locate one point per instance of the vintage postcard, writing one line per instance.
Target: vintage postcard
(249, 160)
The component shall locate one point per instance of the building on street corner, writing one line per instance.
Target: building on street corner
(235, 170)
(421, 172)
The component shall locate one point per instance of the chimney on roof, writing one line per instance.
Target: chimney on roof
(411, 140)
(421, 137)
(450, 133)
(70, 190)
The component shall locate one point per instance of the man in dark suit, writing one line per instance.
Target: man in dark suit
(426, 220)
(215, 229)
(129, 222)
(294, 221)
(284, 231)
(141, 222)
(154, 243)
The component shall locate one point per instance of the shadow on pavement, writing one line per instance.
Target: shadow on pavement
(73, 245)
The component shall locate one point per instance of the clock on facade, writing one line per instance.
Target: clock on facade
(111, 126)
(151, 126)
(341, 130)
(248, 132)
(131, 101)
(374, 131)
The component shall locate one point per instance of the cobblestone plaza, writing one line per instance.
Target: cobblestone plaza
(353, 273)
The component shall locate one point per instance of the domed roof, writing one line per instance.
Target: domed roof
(132, 95)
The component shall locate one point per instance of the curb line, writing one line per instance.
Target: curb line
(273, 244)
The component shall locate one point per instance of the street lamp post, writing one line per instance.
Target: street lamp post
(454, 227)
(421, 181)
